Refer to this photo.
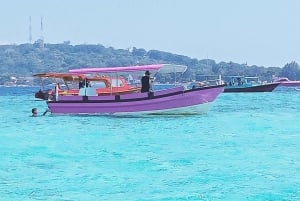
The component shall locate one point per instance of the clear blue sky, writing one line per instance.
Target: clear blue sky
(259, 32)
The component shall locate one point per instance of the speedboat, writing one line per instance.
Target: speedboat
(248, 84)
(173, 100)
(284, 81)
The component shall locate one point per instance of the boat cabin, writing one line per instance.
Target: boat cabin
(71, 84)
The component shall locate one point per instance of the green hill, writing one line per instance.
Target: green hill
(24, 60)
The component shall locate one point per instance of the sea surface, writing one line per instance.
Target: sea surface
(247, 147)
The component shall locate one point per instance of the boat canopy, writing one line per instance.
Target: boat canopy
(162, 68)
(281, 79)
(241, 76)
(64, 76)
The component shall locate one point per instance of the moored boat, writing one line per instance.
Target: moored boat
(284, 81)
(175, 100)
(243, 84)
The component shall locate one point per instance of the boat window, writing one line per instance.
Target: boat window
(116, 82)
(98, 84)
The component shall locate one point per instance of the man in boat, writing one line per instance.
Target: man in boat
(146, 82)
(81, 84)
(84, 83)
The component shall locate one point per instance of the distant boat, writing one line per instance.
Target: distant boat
(284, 81)
(248, 84)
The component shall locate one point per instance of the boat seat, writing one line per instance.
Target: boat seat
(88, 91)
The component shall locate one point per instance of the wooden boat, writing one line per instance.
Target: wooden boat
(175, 100)
(243, 84)
(105, 84)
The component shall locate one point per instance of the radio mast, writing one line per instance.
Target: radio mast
(42, 37)
(30, 34)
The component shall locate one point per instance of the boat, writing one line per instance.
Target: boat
(248, 84)
(205, 80)
(71, 82)
(284, 81)
(174, 100)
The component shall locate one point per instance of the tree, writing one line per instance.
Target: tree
(291, 71)
(27, 59)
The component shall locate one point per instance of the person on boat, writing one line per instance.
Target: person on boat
(84, 83)
(58, 86)
(239, 81)
(145, 82)
(80, 84)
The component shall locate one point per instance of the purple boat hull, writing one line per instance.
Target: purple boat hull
(170, 100)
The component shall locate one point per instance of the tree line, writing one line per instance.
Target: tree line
(28, 59)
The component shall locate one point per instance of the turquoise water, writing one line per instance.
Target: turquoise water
(245, 148)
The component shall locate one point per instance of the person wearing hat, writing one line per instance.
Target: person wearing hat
(146, 82)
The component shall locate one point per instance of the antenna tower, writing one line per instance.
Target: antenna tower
(30, 35)
(42, 37)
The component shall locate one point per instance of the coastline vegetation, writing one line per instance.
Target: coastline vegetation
(24, 60)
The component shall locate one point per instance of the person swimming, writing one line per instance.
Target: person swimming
(34, 112)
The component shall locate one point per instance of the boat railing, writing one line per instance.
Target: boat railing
(204, 81)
